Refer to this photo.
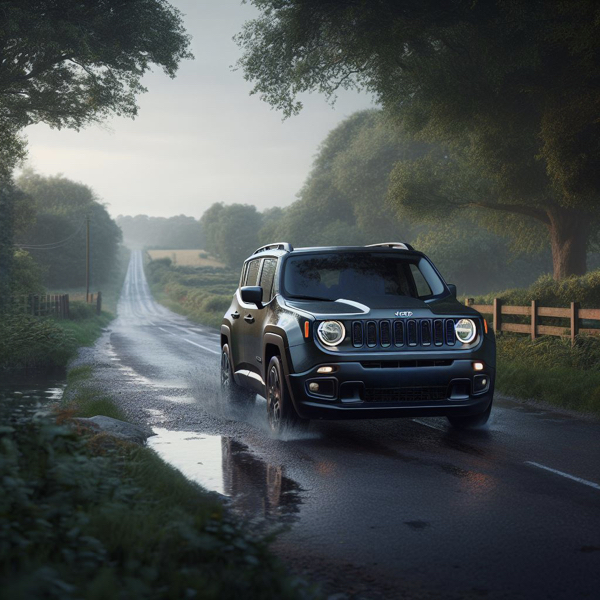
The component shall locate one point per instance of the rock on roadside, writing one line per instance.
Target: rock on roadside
(115, 428)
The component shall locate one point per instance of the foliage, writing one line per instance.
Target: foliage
(231, 231)
(178, 232)
(548, 292)
(201, 293)
(549, 370)
(118, 523)
(26, 275)
(69, 63)
(507, 89)
(61, 207)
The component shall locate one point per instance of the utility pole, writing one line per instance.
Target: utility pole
(87, 259)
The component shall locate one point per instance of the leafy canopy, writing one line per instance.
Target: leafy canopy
(68, 62)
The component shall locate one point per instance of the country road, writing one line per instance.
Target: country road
(376, 509)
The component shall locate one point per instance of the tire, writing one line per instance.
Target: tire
(281, 414)
(231, 392)
(472, 421)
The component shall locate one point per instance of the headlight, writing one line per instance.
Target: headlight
(331, 333)
(466, 331)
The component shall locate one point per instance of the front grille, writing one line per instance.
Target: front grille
(438, 332)
(385, 333)
(357, 334)
(406, 394)
(401, 332)
(371, 334)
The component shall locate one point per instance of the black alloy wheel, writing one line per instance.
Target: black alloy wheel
(231, 392)
(281, 413)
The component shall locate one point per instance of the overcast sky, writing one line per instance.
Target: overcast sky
(198, 139)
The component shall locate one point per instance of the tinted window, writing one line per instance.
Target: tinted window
(358, 275)
(267, 278)
(252, 272)
(423, 288)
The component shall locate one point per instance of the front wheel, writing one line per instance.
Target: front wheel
(472, 421)
(231, 392)
(281, 413)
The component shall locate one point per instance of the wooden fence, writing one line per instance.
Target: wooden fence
(55, 305)
(574, 315)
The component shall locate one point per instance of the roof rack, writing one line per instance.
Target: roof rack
(398, 245)
(287, 247)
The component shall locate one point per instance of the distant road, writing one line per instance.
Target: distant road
(378, 509)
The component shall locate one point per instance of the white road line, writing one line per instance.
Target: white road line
(591, 484)
(165, 331)
(199, 346)
(428, 425)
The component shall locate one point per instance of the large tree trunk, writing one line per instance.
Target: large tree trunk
(569, 232)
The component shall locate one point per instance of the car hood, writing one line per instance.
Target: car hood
(381, 307)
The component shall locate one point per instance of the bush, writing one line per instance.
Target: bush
(118, 523)
(547, 292)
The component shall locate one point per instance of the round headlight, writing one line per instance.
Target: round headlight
(466, 331)
(331, 333)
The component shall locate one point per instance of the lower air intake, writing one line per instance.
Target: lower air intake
(406, 394)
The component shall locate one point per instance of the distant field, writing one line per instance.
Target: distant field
(186, 258)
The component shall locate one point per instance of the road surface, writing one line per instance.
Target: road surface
(375, 509)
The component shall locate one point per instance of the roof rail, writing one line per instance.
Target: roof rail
(398, 245)
(287, 247)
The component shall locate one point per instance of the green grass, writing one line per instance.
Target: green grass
(201, 293)
(89, 520)
(548, 369)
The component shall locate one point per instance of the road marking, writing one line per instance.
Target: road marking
(591, 484)
(199, 346)
(428, 425)
(165, 331)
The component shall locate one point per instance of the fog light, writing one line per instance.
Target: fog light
(478, 366)
(325, 370)
(313, 387)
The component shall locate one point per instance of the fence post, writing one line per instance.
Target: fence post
(68, 315)
(574, 321)
(497, 315)
(469, 301)
(533, 319)
(99, 303)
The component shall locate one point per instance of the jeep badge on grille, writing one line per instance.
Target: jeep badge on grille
(403, 313)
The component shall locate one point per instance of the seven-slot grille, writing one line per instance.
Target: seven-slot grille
(403, 332)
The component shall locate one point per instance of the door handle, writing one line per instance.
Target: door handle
(235, 315)
(249, 319)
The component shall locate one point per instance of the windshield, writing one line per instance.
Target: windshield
(354, 276)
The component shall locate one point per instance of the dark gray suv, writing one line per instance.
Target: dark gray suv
(354, 332)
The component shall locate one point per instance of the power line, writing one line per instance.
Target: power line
(52, 245)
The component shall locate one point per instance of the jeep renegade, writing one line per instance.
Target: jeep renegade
(354, 332)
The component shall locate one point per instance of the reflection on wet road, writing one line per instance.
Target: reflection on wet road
(504, 512)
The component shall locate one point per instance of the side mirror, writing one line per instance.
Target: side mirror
(452, 289)
(252, 294)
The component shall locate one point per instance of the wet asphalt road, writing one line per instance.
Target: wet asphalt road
(376, 509)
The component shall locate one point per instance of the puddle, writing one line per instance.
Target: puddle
(222, 465)
(28, 394)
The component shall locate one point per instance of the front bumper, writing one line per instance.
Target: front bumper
(362, 391)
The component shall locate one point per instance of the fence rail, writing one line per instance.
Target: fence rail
(573, 314)
(51, 305)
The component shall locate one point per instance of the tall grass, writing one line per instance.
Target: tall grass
(201, 293)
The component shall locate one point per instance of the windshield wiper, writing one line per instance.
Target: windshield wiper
(309, 298)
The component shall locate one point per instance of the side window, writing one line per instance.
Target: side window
(421, 284)
(267, 277)
(252, 272)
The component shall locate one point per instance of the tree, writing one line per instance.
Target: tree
(56, 238)
(511, 88)
(231, 231)
(68, 63)
(343, 200)
(180, 232)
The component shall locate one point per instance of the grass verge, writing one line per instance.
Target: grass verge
(87, 517)
(201, 293)
(550, 370)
